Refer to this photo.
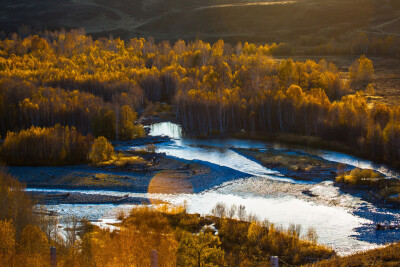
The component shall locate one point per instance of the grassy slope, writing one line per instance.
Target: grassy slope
(232, 20)
(269, 22)
(387, 256)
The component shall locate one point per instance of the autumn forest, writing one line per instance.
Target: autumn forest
(97, 87)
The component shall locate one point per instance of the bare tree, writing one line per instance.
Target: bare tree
(219, 210)
(242, 212)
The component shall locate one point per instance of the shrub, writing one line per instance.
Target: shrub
(121, 160)
(370, 90)
(360, 177)
(362, 70)
(151, 148)
(101, 150)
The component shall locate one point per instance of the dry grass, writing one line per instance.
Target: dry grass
(360, 177)
(392, 194)
(100, 180)
(387, 256)
(290, 161)
(375, 184)
(121, 160)
(170, 209)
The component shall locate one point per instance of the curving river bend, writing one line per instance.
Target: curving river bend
(342, 221)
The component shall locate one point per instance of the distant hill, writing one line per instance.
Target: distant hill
(231, 20)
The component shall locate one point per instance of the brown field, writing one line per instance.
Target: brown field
(387, 80)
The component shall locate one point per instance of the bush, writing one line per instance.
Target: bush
(370, 90)
(120, 160)
(360, 177)
(101, 150)
(362, 70)
(151, 148)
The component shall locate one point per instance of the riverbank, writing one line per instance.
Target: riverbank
(49, 198)
(297, 165)
(169, 175)
(314, 142)
(302, 166)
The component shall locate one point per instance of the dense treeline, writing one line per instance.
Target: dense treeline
(97, 86)
(305, 98)
(38, 146)
(61, 145)
(25, 105)
(264, 95)
(71, 79)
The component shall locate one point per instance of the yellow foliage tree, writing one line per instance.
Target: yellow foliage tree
(101, 150)
(362, 70)
(33, 241)
(128, 130)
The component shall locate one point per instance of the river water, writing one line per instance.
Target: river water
(343, 221)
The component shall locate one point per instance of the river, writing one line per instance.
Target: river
(343, 221)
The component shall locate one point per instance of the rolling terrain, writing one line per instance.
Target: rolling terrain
(210, 20)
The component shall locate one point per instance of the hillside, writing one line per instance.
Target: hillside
(209, 20)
